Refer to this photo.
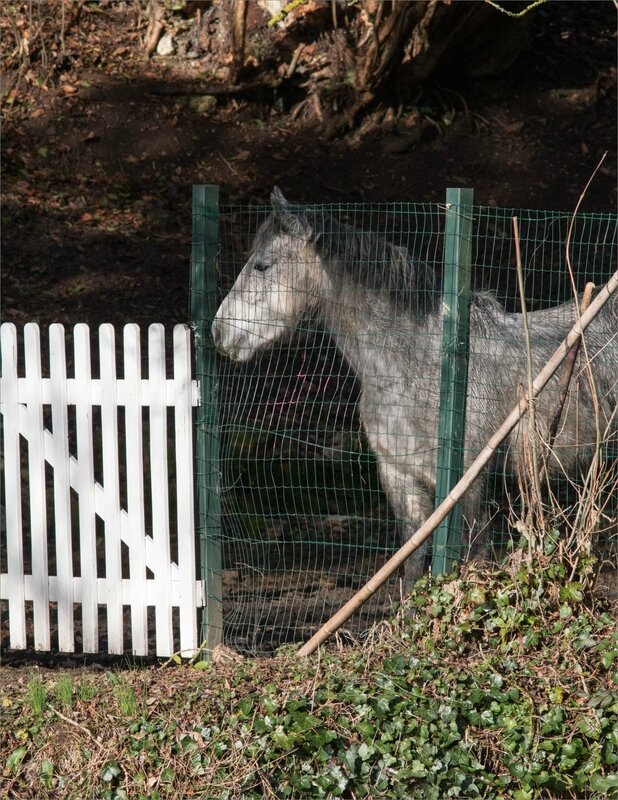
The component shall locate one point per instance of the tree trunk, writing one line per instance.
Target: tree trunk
(401, 44)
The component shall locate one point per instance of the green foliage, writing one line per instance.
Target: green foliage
(37, 695)
(13, 762)
(495, 685)
(127, 702)
(460, 706)
(86, 692)
(46, 775)
(64, 690)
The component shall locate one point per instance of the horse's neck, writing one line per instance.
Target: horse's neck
(369, 333)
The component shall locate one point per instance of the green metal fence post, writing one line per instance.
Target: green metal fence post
(454, 373)
(204, 299)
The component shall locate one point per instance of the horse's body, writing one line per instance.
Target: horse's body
(384, 311)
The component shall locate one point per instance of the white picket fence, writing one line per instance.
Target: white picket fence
(58, 514)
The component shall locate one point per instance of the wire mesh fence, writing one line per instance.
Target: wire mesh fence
(328, 398)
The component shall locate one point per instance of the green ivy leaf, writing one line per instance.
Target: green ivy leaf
(168, 775)
(604, 785)
(365, 751)
(14, 760)
(111, 771)
(47, 773)
(418, 769)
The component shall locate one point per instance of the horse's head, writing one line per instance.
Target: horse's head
(276, 287)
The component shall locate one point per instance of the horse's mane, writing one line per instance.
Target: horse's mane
(368, 259)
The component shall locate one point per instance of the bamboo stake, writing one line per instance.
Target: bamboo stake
(532, 428)
(458, 491)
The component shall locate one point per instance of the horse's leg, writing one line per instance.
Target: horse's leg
(408, 483)
(412, 503)
(476, 523)
(482, 510)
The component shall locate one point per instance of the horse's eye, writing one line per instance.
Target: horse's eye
(260, 266)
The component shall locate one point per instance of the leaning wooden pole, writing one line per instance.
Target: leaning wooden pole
(458, 491)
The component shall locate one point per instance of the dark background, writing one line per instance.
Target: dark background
(98, 163)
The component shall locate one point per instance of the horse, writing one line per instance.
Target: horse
(383, 308)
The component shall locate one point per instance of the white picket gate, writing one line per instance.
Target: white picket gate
(95, 534)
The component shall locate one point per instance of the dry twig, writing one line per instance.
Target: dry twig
(82, 728)
(532, 427)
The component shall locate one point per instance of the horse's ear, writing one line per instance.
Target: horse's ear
(278, 200)
(292, 221)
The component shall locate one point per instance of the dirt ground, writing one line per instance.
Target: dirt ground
(97, 168)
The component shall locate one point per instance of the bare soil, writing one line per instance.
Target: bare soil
(98, 166)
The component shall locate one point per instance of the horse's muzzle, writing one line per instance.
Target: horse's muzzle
(226, 345)
(218, 340)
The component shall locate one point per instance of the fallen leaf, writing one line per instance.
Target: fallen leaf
(68, 89)
(86, 217)
(38, 113)
(513, 127)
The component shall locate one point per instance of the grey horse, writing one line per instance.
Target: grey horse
(383, 308)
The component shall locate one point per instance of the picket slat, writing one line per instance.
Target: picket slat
(184, 477)
(62, 491)
(111, 486)
(85, 489)
(23, 402)
(12, 494)
(36, 477)
(135, 488)
(159, 486)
